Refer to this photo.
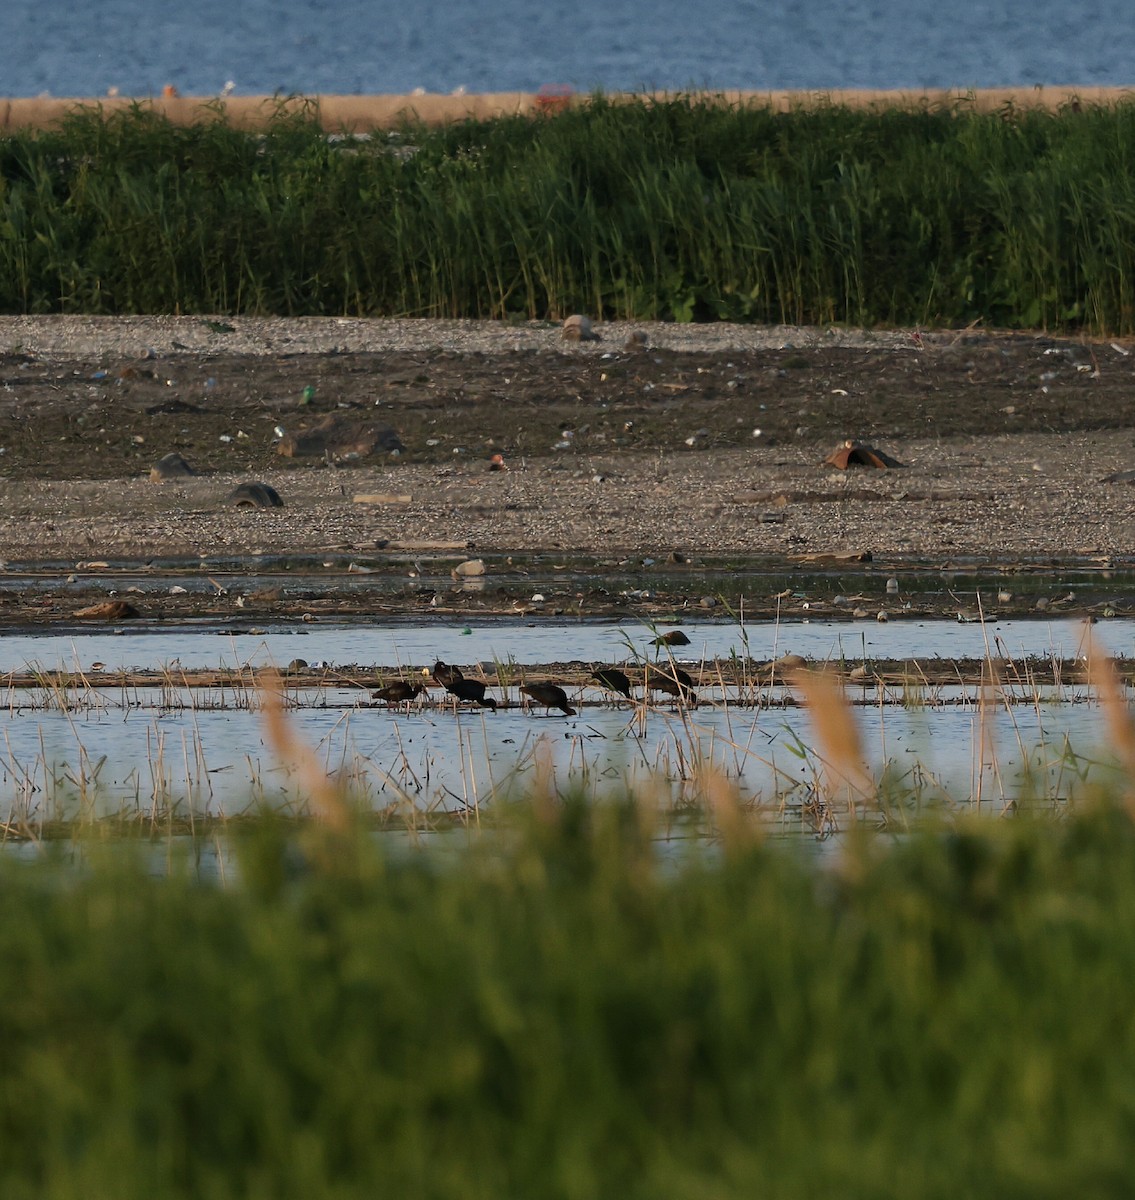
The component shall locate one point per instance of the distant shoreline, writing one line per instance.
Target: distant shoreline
(363, 113)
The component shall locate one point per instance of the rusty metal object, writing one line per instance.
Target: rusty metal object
(858, 454)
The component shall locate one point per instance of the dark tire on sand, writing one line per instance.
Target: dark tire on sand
(255, 495)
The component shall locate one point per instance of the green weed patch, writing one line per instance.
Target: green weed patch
(681, 210)
(555, 1011)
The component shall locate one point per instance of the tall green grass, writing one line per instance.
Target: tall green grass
(555, 1011)
(682, 210)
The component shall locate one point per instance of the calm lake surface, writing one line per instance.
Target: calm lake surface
(378, 46)
(429, 762)
(402, 644)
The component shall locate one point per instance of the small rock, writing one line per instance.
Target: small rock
(636, 340)
(469, 569)
(786, 663)
(577, 328)
(170, 466)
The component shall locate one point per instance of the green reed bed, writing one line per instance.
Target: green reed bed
(681, 210)
(554, 1012)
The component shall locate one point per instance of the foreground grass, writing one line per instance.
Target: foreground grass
(552, 1013)
(679, 210)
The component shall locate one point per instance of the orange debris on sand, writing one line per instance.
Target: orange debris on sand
(859, 454)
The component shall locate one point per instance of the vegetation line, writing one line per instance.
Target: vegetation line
(679, 209)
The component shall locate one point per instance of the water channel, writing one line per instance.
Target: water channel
(163, 750)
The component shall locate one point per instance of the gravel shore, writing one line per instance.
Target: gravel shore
(993, 494)
(80, 338)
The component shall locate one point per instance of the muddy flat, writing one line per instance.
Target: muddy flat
(699, 456)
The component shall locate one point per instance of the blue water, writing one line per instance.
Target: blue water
(108, 756)
(396, 645)
(146, 750)
(350, 46)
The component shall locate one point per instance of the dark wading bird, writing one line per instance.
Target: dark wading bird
(445, 674)
(674, 638)
(673, 681)
(550, 695)
(613, 679)
(471, 689)
(398, 692)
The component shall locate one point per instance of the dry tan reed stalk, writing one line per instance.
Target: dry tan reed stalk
(327, 801)
(833, 720)
(986, 744)
(723, 798)
(1102, 675)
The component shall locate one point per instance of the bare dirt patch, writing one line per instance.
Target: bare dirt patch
(705, 448)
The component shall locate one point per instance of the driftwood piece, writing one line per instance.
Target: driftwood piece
(842, 556)
(108, 610)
